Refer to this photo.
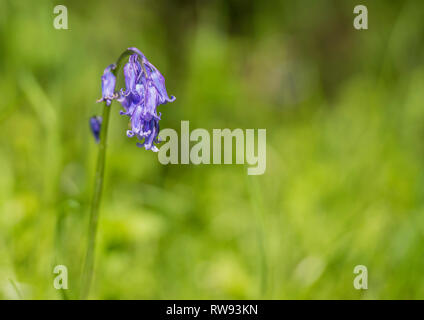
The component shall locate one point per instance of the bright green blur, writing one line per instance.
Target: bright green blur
(344, 184)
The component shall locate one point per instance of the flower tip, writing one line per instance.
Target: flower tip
(148, 146)
(109, 68)
(95, 126)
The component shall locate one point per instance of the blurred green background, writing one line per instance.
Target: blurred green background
(344, 183)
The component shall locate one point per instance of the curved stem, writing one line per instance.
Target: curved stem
(87, 273)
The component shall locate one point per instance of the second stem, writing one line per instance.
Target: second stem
(87, 273)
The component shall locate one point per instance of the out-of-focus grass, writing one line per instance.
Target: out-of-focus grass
(343, 111)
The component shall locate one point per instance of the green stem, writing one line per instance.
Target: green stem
(87, 273)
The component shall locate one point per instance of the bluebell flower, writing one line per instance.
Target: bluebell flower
(108, 85)
(95, 126)
(144, 91)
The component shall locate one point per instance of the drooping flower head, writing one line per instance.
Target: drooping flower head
(144, 91)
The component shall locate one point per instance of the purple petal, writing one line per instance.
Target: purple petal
(159, 83)
(108, 85)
